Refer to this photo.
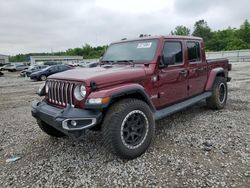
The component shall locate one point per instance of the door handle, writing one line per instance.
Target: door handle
(199, 69)
(184, 72)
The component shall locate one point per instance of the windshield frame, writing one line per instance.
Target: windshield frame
(130, 60)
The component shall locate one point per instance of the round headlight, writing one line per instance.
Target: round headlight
(80, 92)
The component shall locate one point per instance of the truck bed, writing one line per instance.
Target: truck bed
(220, 62)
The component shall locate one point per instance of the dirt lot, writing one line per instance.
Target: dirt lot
(197, 147)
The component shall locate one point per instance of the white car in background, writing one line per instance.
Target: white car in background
(73, 64)
(17, 67)
(3, 68)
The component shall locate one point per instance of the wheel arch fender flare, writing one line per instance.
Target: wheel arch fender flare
(212, 75)
(119, 92)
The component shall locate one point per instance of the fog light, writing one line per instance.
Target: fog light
(73, 123)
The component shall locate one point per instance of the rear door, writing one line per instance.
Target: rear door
(197, 76)
(173, 78)
(63, 68)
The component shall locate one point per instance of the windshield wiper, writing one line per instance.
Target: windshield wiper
(107, 61)
(126, 61)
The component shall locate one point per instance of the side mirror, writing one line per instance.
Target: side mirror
(167, 60)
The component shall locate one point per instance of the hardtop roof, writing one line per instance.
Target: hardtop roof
(159, 37)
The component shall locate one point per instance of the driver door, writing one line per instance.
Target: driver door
(173, 79)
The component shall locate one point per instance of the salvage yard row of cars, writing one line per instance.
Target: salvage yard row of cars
(41, 72)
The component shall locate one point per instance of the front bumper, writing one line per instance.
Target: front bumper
(33, 77)
(71, 121)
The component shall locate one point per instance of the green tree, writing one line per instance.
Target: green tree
(244, 32)
(226, 39)
(201, 29)
(181, 30)
(19, 58)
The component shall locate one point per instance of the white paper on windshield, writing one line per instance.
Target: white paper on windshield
(144, 45)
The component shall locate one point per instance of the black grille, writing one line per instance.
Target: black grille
(60, 92)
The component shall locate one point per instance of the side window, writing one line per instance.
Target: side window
(173, 51)
(62, 68)
(58, 68)
(193, 51)
(54, 68)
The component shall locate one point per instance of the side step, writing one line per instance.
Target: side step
(159, 114)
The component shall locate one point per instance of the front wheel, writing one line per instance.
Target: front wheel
(43, 77)
(219, 94)
(128, 128)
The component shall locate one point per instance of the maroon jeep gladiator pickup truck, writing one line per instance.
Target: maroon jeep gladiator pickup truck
(136, 82)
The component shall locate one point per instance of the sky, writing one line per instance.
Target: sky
(32, 26)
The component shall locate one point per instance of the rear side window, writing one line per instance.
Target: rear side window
(173, 50)
(54, 68)
(58, 68)
(193, 51)
(62, 68)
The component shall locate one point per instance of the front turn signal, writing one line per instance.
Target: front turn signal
(103, 100)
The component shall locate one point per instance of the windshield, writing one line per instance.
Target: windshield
(143, 50)
(32, 67)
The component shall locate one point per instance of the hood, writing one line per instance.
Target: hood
(101, 75)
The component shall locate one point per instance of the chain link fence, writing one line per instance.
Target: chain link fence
(232, 56)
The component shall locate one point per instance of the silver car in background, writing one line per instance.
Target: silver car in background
(17, 67)
(32, 69)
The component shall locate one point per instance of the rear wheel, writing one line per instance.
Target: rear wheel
(43, 77)
(49, 130)
(128, 128)
(219, 94)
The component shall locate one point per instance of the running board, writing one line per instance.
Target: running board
(159, 114)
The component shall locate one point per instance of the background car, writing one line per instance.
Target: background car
(44, 73)
(49, 63)
(2, 64)
(89, 65)
(32, 69)
(16, 67)
(3, 68)
(73, 64)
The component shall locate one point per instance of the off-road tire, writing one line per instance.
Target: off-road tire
(49, 130)
(43, 77)
(219, 94)
(115, 121)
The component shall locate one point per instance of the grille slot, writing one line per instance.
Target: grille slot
(60, 92)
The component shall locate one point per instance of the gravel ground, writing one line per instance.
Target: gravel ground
(197, 147)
